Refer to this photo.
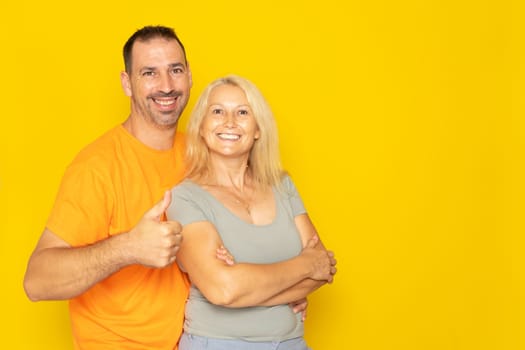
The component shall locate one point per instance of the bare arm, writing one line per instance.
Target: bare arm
(57, 271)
(303, 288)
(242, 284)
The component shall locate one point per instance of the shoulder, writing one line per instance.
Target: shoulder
(96, 161)
(101, 149)
(287, 185)
(286, 180)
(187, 190)
(188, 203)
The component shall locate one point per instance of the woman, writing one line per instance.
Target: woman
(236, 195)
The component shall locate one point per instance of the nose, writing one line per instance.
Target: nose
(166, 83)
(229, 120)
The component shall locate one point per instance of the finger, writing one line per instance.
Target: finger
(223, 255)
(176, 240)
(158, 209)
(173, 227)
(299, 305)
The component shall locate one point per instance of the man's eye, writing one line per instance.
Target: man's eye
(177, 71)
(148, 74)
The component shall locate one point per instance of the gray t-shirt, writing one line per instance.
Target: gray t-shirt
(260, 244)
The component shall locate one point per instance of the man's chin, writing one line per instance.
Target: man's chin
(166, 125)
(166, 120)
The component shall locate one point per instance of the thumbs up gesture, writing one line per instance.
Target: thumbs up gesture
(155, 243)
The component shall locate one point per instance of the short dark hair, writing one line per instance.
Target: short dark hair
(147, 33)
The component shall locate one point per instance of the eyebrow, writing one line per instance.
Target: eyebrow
(178, 64)
(172, 65)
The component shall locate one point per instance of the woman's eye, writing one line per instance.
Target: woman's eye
(243, 112)
(216, 111)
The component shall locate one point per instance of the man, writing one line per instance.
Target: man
(106, 245)
(99, 249)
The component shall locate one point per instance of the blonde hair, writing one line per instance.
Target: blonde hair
(264, 159)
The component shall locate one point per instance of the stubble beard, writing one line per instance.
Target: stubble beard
(161, 120)
(164, 121)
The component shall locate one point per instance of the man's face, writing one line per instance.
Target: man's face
(159, 82)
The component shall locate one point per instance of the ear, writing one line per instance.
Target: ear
(126, 83)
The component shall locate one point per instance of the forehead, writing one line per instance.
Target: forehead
(156, 52)
(227, 93)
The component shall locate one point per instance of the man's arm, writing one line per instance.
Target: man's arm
(242, 285)
(57, 271)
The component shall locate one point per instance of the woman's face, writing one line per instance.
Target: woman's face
(229, 127)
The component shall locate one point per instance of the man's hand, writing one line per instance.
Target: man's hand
(300, 306)
(224, 255)
(153, 242)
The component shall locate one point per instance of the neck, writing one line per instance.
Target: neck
(230, 173)
(153, 137)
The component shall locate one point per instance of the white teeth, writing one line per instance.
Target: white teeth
(165, 102)
(229, 136)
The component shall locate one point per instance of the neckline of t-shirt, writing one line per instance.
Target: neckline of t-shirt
(145, 148)
(224, 208)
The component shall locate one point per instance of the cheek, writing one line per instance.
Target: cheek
(146, 85)
(210, 123)
(202, 131)
(206, 128)
(251, 127)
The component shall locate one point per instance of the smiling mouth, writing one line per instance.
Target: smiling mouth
(228, 137)
(165, 102)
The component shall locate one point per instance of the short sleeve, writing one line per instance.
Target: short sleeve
(296, 202)
(184, 206)
(82, 210)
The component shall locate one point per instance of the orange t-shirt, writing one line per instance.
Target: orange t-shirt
(105, 191)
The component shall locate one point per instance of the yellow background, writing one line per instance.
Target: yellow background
(400, 121)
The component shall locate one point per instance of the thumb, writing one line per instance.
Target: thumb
(160, 208)
(312, 242)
